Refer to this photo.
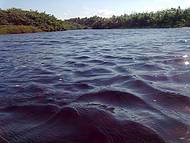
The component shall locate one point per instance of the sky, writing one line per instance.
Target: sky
(65, 9)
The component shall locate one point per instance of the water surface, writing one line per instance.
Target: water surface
(96, 86)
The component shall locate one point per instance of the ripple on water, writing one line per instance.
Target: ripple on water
(116, 86)
(93, 72)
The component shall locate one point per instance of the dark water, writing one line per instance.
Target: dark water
(104, 86)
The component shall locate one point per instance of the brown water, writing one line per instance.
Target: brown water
(96, 86)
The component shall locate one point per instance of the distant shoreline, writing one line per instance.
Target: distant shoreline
(20, 29)
(18, 21)
(169, 18)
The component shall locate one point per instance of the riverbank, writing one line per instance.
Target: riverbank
(18, 29)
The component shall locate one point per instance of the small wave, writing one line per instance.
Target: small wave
(182, 41)
(118, 86)
(146, 67)
(50, 124)
(93, 72)
(114, 98)
(82, 57)
(183, 77)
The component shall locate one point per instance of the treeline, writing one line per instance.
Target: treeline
(22, 21)
(171, 18)
(18, 29)
(44, 22)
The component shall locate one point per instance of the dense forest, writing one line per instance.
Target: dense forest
(21, 21)
(170, 18)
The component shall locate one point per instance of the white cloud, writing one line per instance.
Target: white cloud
(96, 11)
(105, 13)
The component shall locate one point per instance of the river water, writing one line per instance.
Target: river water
(96, 86)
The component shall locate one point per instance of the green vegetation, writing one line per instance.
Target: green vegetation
(170, 18)
(16, 29)
(20, 21)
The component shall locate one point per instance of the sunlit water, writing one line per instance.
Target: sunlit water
(96, 86)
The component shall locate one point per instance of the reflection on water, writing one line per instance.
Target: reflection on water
(186, 62)
(116, 86)
(185, 56)
(186, 59)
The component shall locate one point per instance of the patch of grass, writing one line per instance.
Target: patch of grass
(18, 29)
